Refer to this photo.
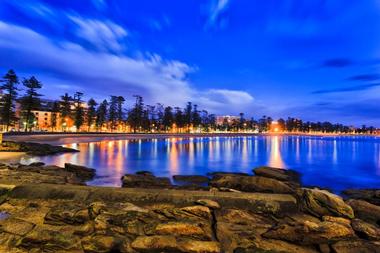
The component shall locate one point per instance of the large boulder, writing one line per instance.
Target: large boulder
(81, 172)
(365, 211)
(356, 246)
(366, 230)
(251, 184)
(191, 179)
(320, 203)
(370, 195)
(145, 181)
(309, 231)
(278, 173)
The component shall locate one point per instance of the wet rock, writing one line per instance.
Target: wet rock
(320, 203)
(356, 246)
(145, 181)
(81, 172)
(366, 230)
(365, 211)
(192, 179)
(209, 203)
(370, 195)
(144, 173)
(278, 174)
(194, 230)
(309, 232)
(36, 149)
(251, 184)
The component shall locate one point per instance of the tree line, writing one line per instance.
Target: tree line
(111, 114)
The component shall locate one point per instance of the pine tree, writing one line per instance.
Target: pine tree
(7, 101)
(65, 104)
(168, 118)
(101, 114)
(31, 101)
(78, 110)
(91, 112)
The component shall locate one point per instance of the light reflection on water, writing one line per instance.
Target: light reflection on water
(333, 162)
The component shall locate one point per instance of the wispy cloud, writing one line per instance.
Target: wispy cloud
(347, 89)
(100, 74)
(104, 35)
(217, 7)
(364, 77)
(337, 63)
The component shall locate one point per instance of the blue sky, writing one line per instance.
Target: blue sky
(314, 59)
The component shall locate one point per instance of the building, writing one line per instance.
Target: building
(226, 119)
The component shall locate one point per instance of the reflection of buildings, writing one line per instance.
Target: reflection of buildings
(275, 159)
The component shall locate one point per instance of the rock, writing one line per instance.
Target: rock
(96, 208)
(67, 214)
(16, 226)
(251, 184)
(145, 181)
(193, 230)
(259, 245)
(340, 220)
(356, 246)
(320, 203)
(278, 174)
(192, 179)
(36, 149)
(37, 164)
(209, 203)
(144, 173)
(370, 195)
(81, 172)
(192, 246)
(236, 227)
(200, 211)
(309, 232)
(157, 243)
(48, 240)
(365, 211)
(99, 244)
(365, 230)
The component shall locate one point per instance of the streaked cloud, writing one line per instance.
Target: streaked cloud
(217, 7)
(104, 35)
(100, 73)
(348, 89)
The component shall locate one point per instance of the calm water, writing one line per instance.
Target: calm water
(333, 162)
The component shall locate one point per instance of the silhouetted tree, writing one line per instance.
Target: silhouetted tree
(91, 112)
(168, 118)
(65, 104)
(135, 115)
(9, 86)
(54, 115)
(101, 114)
(31, 101)
(78, 110)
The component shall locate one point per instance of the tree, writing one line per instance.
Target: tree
(113, 112)
(135, 115)
(188, 115)
(120, 113)
(91, 112)
(78, 110)
(101, 114)
(54, 115)
(65, 105)
(179, 118)
(31, 101)
(9, 85)
(168, 118)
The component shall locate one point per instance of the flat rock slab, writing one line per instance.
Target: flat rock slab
(255, 202)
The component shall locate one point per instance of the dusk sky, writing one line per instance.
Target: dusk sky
(314, 59)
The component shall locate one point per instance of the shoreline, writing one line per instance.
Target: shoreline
(65, 138)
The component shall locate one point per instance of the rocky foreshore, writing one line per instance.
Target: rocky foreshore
(32, 148)
(48, 209)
